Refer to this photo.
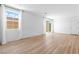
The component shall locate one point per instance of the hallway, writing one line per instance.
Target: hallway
(49, 44)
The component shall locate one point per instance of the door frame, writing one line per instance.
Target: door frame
(44, 25)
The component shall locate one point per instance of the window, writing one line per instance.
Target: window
(12, 17)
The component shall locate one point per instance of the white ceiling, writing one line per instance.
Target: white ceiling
(51, 9)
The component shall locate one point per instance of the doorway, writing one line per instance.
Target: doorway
(48, 26)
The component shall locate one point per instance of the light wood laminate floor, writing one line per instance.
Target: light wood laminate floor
(54, 43)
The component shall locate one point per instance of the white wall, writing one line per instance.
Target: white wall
(75, 25)
(62, 25)
(32, 24)
(0, 26)
(67, 25)
(0, 22)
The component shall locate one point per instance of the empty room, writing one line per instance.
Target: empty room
(39, 28)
